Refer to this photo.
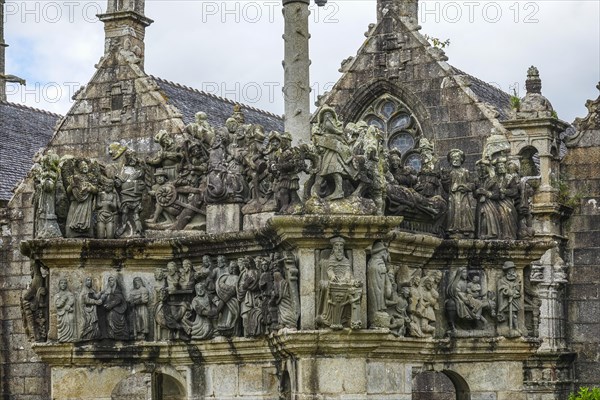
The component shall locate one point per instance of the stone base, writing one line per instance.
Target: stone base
(223, 218)
(352, 205)
(257, 221)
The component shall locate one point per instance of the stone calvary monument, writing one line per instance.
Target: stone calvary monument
(406, 236)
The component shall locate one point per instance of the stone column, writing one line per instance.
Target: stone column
(307, 262)
(296, 65)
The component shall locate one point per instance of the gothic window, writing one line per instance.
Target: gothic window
(401, 130)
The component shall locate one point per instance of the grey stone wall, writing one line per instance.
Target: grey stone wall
(581, 169)
(22, 375)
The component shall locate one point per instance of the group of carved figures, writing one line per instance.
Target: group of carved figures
(246, 297)
(410, 308)
(242, 164)
(253, 296)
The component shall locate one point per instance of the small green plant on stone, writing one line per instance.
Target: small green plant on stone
(515, 101)
(437, 42)
(586, 394)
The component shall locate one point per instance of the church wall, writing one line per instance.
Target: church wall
(581, 169)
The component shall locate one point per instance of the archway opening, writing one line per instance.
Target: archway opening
(447, 385)
(144, 386)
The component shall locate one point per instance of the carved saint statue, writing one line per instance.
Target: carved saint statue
(65, 313)
(132, 186)
(228, 305)
(202, 326)
(340, 293)
(461, 205)
(509, 299)
(46, 182)
(115, 304)
(82, 193)
(139, 299)
(379, 287)
(89, 300)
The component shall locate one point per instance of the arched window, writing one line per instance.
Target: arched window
(401, 130)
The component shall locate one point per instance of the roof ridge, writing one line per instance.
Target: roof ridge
(224, 99)
(23, 106)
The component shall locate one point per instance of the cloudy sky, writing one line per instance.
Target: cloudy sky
(234, 48)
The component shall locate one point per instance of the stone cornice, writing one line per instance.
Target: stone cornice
(292, 344)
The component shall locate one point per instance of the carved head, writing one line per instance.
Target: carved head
(82, 166)
(200, 289)
(510, 270)
(186, 265)
(63, 284)
(456, 157)
(206, 262)
(234, 269)
(201, 116)
(337, 244)
(88, 282)
(221, 261)
(171, 268)
(137, 282)
(231, 124)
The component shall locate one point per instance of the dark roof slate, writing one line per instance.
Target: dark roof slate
(190, 101)
(490, 94)
(23, 132)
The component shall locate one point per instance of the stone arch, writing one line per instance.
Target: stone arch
(445, 385)
(149, 385)
(358, 104)
(530, 161)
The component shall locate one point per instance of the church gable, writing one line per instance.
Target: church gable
(452, 107)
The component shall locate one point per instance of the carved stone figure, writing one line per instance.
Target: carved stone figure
(168, 157)
(107, 209)
(287, 164)
(132, 186)
(169, 317)
(139, 299)
(398, 310)
(186, 275)
(228, 322)
(82, 191)
(257, 162)
(201, 130)
(46, 223)
(522, 202)
(509, 300)
(216, 190)
(65, 313)
(427, 305)
(379, 287)
(506, 203)
(339, 293)
(461, 205)
(89, 301)
(369, 162)
(35, 304)
(487, 194)
(282, 299)
(336, 155)
(114, 302)
(172, 277)
(249, 297)
(466, 300)
(201, 327)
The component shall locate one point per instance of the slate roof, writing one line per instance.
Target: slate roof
(23, 131)
(189, 101)
(488, 94)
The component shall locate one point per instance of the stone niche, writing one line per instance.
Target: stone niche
(161, 330)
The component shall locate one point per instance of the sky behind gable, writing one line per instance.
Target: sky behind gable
(234, 48)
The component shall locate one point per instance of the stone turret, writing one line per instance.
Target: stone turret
(407, 10)
(125, 27)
